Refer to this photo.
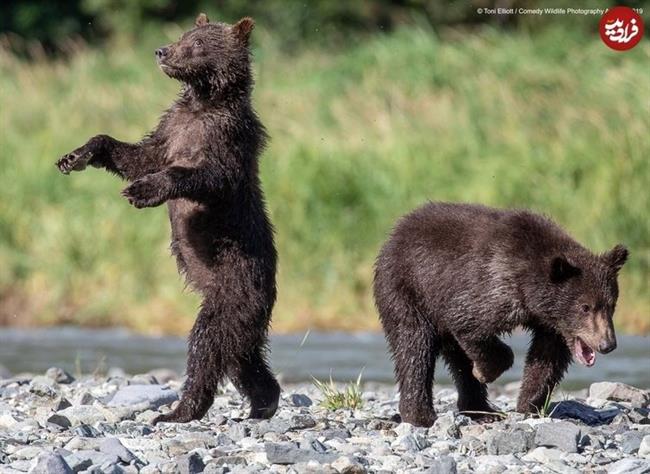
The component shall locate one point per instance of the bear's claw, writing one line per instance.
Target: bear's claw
(73, 161)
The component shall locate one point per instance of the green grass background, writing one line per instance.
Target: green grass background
(555, 122)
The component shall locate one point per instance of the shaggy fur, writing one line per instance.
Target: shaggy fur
(453, 277)
(202, 160)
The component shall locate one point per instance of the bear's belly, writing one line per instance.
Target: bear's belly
(195, 241)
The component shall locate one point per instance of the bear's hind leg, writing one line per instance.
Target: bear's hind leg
(204, 372)
(414, 346)
(472, 394)
(251, 374)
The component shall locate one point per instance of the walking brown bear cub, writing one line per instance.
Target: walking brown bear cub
(202, 160)
(453, 277)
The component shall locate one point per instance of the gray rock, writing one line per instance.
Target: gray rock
(317, 446)
(287, 453)
(593, 440)
(348, 465)
(151, 397)
(28, 452)
(83, 414)
(508, 442)
(411, 442)
(619, 392)
(231, 461)
(629, 466)
(644, 447)
(218, 420)
(190, 464)
(59, 375)
(238, 431)
(300, 400)
(110, 468)
(113, 446)
(585, 413)
(562, 435)
(84, 398)
(77, 463)
(332, 433)
(561, 467)
(442, 465)
(186, 442)
(301, 422)
(640, 416)
(379, 425)
(213, 468)
(543, 455)
(61, 404)
(86, 431)
(97, 458)
(60, 420)
(631, 442)
(446, 426)
(50, 463)
(259, 429)
(44, 387)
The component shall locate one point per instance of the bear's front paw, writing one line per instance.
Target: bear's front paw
(150, 191)
(76, 160)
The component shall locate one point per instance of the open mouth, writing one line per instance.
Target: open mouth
(583, 352)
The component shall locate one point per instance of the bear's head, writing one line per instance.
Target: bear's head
(212, 56)
(585, 290)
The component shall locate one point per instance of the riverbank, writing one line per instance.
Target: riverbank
(294, 357)
(54, 423)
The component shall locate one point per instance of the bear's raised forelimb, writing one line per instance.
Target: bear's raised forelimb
(130, 161)
(490, 356)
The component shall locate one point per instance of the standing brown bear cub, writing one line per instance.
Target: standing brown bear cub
(453, 277)
(202, 160)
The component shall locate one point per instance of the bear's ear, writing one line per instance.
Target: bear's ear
(562, 269)
(616, 257)
(242, 29)
(201, 20)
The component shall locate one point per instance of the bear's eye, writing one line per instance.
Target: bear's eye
(585, 308)
(198, 43)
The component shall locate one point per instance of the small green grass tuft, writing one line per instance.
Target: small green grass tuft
(335, 399)
(545, 411)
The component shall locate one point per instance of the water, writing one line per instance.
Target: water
(296, 357)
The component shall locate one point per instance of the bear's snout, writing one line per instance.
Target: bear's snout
(607, 346)
(161, 53)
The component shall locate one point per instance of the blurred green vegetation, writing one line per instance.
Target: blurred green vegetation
(54, 23)
(553, 121)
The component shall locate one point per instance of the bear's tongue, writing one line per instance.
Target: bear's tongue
(585, 354)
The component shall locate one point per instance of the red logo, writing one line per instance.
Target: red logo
(621, 28)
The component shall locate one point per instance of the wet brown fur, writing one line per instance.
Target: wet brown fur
(202, 160)
(453, 277)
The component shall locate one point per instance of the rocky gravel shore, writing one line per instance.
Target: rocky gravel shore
(54, 423)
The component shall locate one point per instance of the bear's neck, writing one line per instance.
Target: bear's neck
(220, 91)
